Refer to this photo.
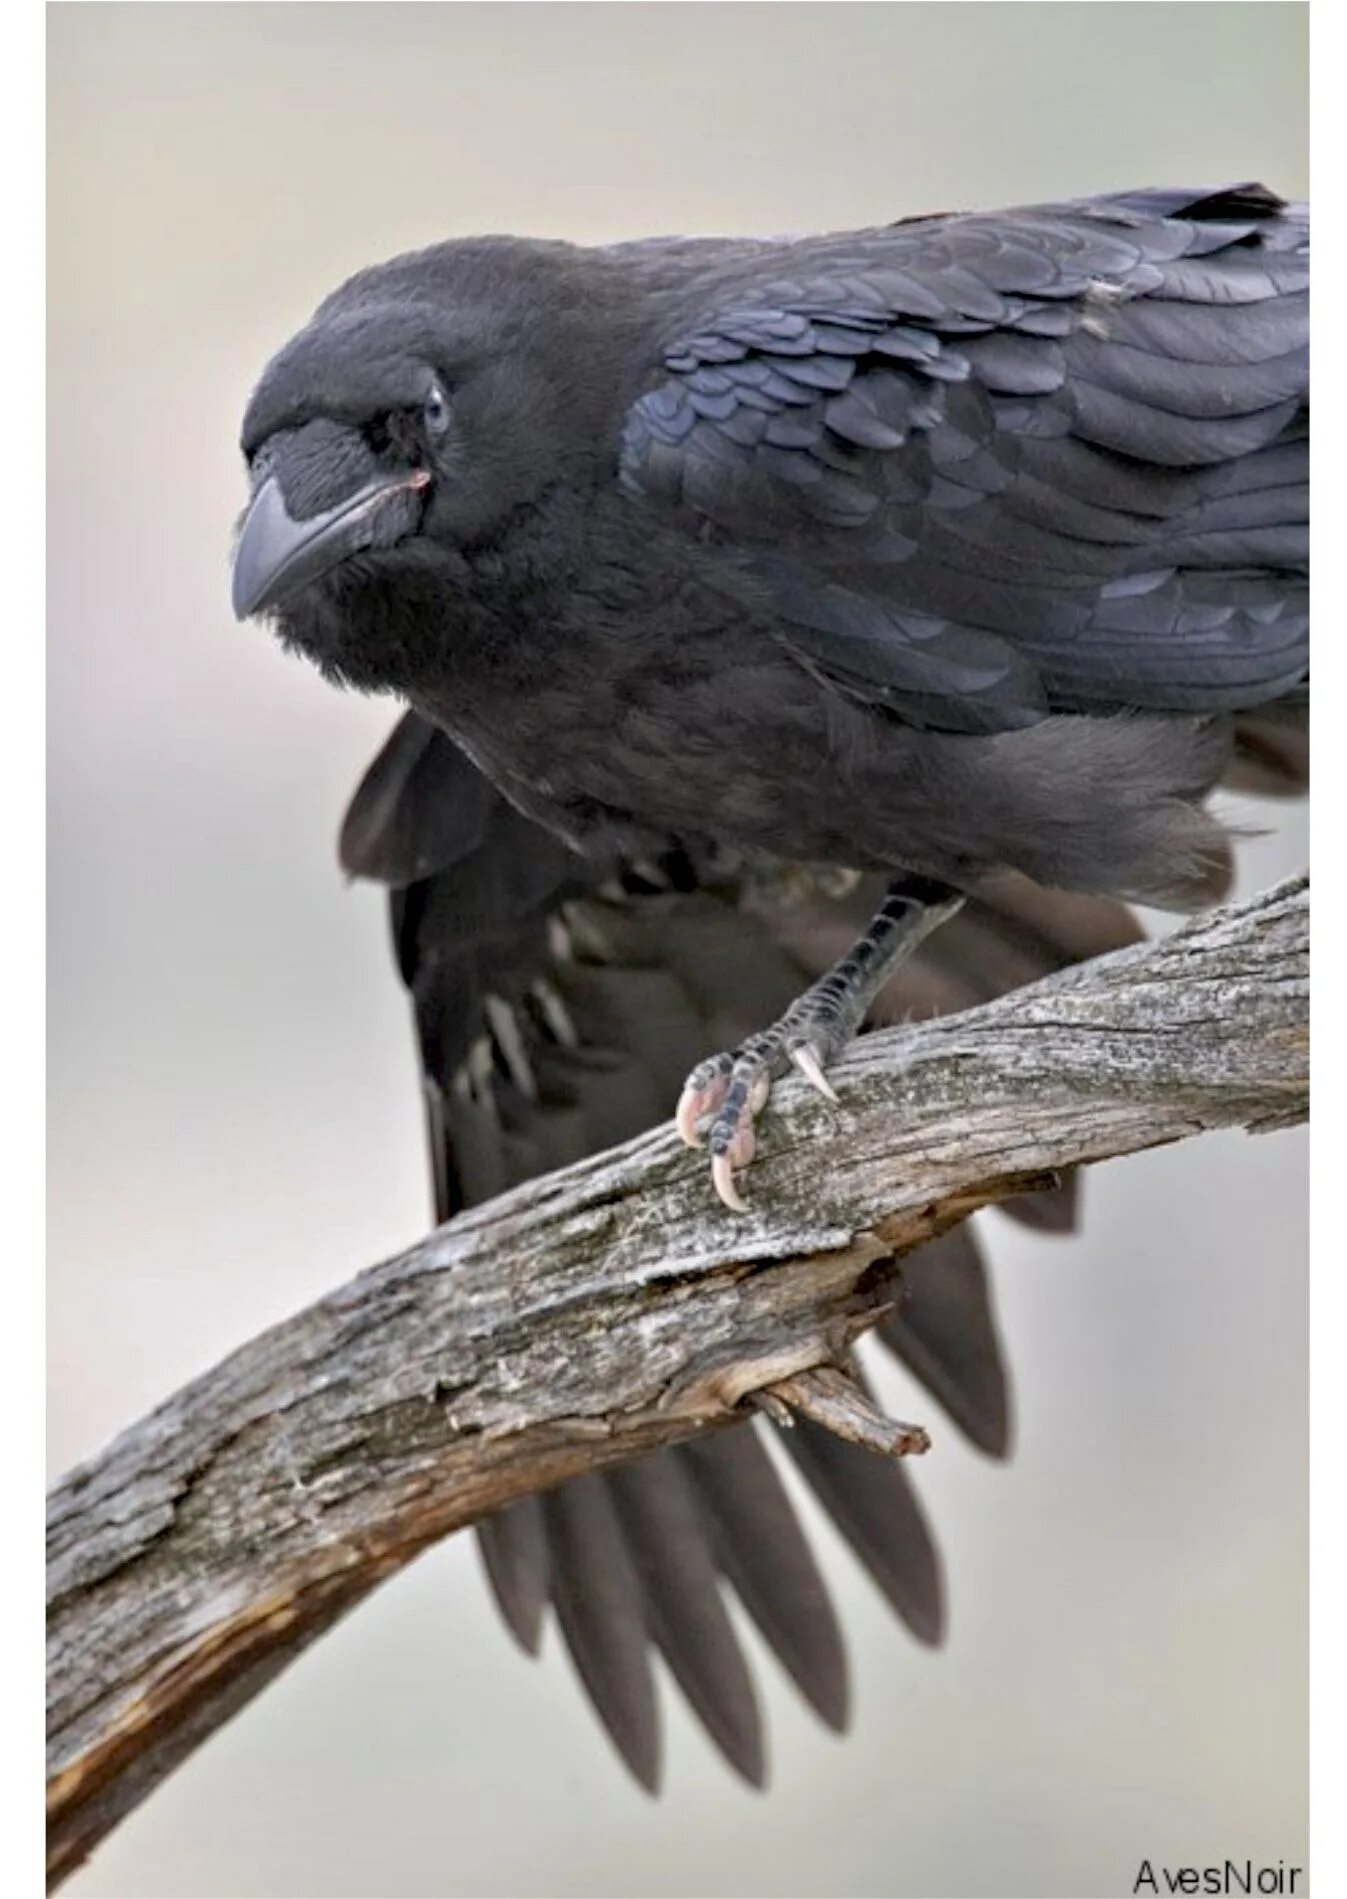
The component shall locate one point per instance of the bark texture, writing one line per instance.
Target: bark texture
(598, 1313)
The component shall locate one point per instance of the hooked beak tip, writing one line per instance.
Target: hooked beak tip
(276, 552)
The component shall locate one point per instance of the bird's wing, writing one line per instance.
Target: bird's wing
(987, 466)
(556, 1016)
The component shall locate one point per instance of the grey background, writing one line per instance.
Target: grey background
(234, 1120)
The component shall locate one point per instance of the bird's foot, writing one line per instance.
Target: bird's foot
(724, 1095)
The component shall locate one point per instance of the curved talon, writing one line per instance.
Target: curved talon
(691, 1107)
(811, 1068)
(722, 1179)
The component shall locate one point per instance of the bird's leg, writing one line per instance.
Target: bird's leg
(732, 1088)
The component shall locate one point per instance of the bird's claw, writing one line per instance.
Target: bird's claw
(806, 1059)
(723, 1097)
(703, 1092)
(732, 1139)
(722, 1179)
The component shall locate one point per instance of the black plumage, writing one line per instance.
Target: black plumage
(872, 549)
(964, 552)
(941, 549)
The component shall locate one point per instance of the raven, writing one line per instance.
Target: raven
(937, 551)
(732, 581)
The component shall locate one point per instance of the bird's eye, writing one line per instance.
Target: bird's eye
(436, 410)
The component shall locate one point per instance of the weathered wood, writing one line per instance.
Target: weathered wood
(832, 1398)
(587, 1317)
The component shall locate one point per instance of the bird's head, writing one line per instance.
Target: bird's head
(428, 406)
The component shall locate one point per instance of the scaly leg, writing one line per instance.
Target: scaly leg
(732, 1088)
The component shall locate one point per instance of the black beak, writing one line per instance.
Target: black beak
(276, 553)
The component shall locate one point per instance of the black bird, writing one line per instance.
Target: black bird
(936, 550)
(556, 1009)
(725, 560)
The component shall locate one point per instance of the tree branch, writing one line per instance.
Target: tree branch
(596, 1314)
